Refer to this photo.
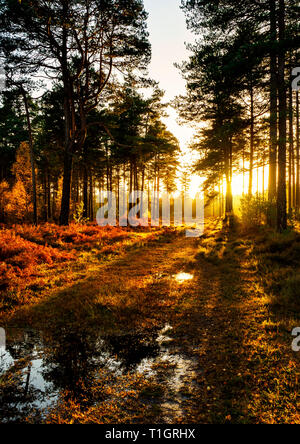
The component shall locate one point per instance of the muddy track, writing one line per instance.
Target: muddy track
(165, 334)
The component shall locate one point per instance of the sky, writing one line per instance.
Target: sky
(168, 34)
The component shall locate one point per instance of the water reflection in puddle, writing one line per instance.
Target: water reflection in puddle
(182, 277)
(23, 388)
(36, 367)
(176, 370)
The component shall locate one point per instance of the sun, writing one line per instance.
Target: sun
(195, 186)
(238, 185)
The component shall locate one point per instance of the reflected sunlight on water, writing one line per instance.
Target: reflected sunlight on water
(38, 367)
(182, 277)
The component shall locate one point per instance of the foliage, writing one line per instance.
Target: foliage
(19, 206)
(85, 43)
(254, 210)
(290, 292)
(79, 214)
(12, 130)
(16, 203)
(4, 200)
(30, 255)
(277, 264)
(238, 58)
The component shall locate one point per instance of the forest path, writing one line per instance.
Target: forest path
(186, 314)
(121, 292)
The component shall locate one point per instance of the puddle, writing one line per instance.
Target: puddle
(176, 370)
(36, 367)
(182, 277)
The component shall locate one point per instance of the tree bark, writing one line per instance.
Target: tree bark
(297, 154)
(273, 104)
(251, 141)
(291, 146)
(228, 174)
(85, 191)
(281, 193)
(70, 125)
(34, 197)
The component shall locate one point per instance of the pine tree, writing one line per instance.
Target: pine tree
(80, 43)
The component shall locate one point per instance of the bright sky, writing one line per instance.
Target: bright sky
(168, 34)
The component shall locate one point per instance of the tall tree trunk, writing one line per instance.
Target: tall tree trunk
(85, 191)
(70, 125)
(49, 195)
(228, 174)
(291, 145)
(91, 197)
(34, 196)
(263, 176)
(297, 153)
(68, 154)
(68, 166)
(66, 192)
(251, 141)
(273, 104)
(118, 191)
(243, 172)
(45, 189)
(281, 194)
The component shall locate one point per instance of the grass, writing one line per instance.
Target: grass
(233, 320)
(36, 260)
(261, 372)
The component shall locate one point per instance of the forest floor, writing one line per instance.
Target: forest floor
(173, 330)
